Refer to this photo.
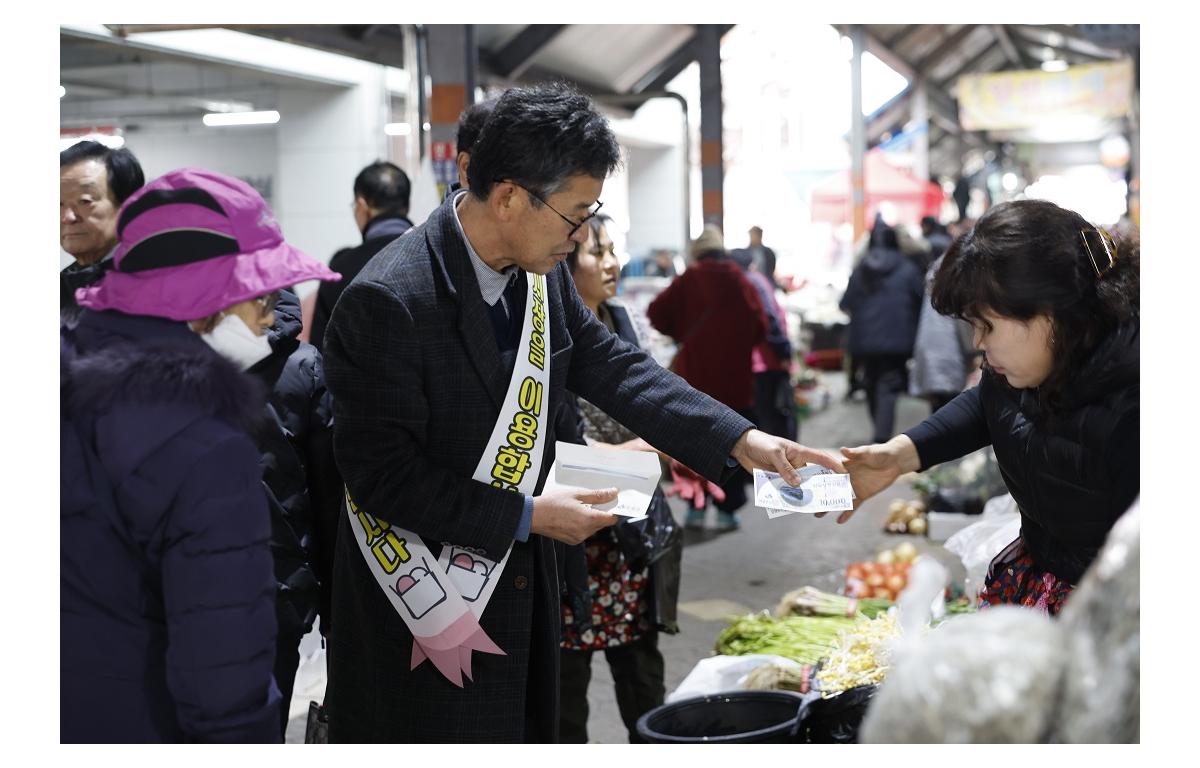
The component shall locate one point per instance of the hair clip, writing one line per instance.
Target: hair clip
(1107, 244)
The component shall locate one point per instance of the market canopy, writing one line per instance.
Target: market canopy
(909, 197)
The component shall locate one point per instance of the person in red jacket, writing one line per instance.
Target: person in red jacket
(716, 318)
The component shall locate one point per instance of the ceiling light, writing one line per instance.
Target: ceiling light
(397, 129)
(61, 91)
(213, 119)
(1054, 65)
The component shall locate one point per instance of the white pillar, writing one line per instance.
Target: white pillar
(326, 136)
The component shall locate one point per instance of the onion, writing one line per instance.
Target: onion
(906, 551)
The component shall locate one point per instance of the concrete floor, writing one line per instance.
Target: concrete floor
(747, 570)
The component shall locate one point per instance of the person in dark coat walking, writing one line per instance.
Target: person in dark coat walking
(1054, 303)
(381, 194)
(715, 316)
(432, 435)
(94, 181)
(883, 299)
(167, 598)
(304, 488)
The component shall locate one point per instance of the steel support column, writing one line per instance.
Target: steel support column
(712, 169)
(448, 53)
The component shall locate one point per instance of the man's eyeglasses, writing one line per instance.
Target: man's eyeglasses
(575, 225)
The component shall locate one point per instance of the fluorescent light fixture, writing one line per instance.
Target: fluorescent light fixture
(214, 119)
(1054, 65)
(61, 91)
(397, 129)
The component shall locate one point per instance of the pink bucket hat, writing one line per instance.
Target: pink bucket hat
(194, 242)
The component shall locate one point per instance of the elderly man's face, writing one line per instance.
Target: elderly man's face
(87, 212)
(547, 236)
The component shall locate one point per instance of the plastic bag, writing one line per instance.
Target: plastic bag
(981, 541)
(656, 540)
(990, 677)
(718, 674)
(924, 598)
(1102, 621)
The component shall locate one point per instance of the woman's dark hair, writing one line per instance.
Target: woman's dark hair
(1027, 258)
(594, 224)
(124, 171)
(385, 187)
(538, 137)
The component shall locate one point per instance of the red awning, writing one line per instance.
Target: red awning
(910, 198)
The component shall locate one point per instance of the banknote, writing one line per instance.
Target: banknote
(820, 490)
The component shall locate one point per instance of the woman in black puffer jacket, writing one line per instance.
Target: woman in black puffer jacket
(304, 488)
(1055, 306)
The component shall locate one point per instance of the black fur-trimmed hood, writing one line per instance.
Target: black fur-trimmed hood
(110, 358)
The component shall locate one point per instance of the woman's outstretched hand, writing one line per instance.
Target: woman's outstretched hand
(874, 467)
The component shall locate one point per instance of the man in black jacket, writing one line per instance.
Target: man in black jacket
(381, 192)
(93, 182)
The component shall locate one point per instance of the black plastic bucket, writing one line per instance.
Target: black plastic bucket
(765, 717)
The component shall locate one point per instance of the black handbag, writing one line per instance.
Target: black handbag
(317, 729)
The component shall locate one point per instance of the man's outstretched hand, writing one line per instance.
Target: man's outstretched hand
(756, 449)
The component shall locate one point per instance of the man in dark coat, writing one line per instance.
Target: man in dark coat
(304, 488)
(381, 193)
(419, 356)
(93, 183)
